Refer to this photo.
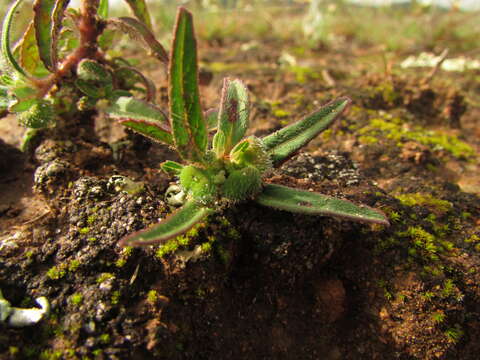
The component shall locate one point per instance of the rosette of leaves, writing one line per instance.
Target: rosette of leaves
(60, 64)
(231, 167)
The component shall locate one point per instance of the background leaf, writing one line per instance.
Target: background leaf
(139, 32)
(140, 9)
(29, 57)
(283, 143)
(175, 224)
(233, 113)
(48, 16)
(5, 39)
(306, 202)
(103, 9)
(186, 117)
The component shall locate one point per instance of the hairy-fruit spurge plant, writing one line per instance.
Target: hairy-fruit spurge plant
(60, 65)
(231, 167)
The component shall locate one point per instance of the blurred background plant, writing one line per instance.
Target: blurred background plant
(61, 65)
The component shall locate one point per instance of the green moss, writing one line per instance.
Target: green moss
(438, 206)
(396, 130)
(56, 272)
(84, 230)
(422, 241)
(73, 265)
(104, 338)
(454, 334)
(182, 240)
(122, 260)
(206, 247)
(92, 240)
(76, 299)
(448, 288)
(303, 74)
(97, 352)
(152, 297)
(167, 248)
(473, 239)
(386, 92)
(368, 140)
(13, 351)
(51, 355)
(280, 113)
(115, 299)
(91, 219)
(438, 316)
(104, 277)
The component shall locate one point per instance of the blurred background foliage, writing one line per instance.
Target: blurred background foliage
(402, 26)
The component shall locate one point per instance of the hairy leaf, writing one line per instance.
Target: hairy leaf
(142, 117)
(177, 223)
(28, 55)
(88, 89)
(186, 117)
(172, 167)
(211, 118)
(233, 113)
(283, 143)
(140, 9)
(91, 70)
(39, 114)
(5, 39)
(149, 85)
(48, 16)
(305, 202)
(103, 9)
(139, 32)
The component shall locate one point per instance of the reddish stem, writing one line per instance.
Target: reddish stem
(90, 28)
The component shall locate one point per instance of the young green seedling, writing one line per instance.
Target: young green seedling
(233, 167)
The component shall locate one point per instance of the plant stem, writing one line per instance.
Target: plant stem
(90, 28)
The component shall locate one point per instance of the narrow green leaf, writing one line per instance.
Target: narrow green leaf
(140, 10)
(48, 16)
(88, 89)
(175, 224)
(29, 57)
(218, 144)
(172, 167)
(211, 118)
(141, 117)
(186, 117)
(233, 113)
(141, 33)
(103, 9)
(283, 143)
(5, 39)
(305, 202)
